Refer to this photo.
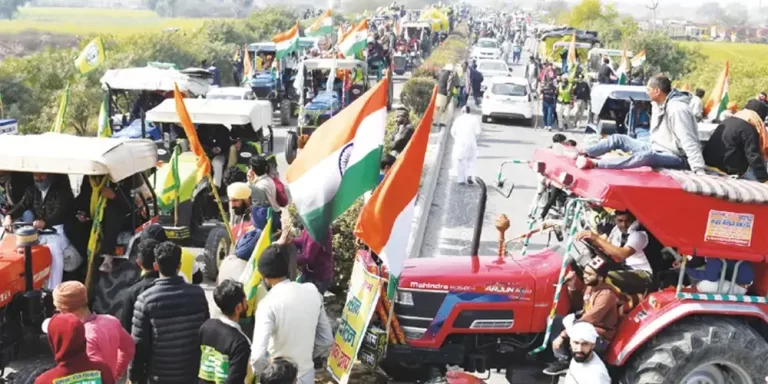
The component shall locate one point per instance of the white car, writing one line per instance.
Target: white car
(508, 98)
(486, 48)
(490, 69)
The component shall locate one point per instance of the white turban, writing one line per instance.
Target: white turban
(582, 331)
(239, 191)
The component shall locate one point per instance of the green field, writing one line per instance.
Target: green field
(84, 21)
(748, 68)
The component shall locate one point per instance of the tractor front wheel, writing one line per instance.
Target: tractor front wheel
(217, 247)
(285, 112)
(712, 350)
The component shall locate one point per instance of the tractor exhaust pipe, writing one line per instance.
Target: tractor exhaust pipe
(478, 225)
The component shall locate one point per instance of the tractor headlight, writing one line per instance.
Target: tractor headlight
(404, 298)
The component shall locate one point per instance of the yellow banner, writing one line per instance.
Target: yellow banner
(363, 294)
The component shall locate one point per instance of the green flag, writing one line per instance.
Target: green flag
(58, 124)
(172, 185)
(105, 128)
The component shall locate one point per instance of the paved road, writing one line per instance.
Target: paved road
(35, 351)
(454, 210)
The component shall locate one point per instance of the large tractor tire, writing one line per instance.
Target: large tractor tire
(217, 247)
(291, 147)
(28, 374)
(108, 287)
(285, 112)
(712, 350)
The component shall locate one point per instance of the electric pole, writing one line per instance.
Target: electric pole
(652, 7)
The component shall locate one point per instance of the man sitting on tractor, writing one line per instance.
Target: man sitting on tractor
(50, 199)
(600, 309)
(625, 245)
(216, 142)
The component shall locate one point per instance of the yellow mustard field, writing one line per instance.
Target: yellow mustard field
(85, 21)
(748, 68)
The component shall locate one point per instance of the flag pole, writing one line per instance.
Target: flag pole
(221, 208)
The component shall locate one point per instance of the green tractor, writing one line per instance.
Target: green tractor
(194, 219)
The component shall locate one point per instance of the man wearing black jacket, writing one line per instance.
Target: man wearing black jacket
(146, 262)
(581, 95)
(734, 146)
(166, 320)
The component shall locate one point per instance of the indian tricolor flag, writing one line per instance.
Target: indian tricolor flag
(718, 99)
(340, 162)
(355, 40)
(387, 218)
(322, 26)
(287, 42)
(623, 68)
(639, 59)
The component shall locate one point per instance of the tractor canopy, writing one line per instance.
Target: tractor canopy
(254, 113)
(698, 215)
(66, 154)
(151, 78)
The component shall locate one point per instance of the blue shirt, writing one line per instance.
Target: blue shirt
(711, 271)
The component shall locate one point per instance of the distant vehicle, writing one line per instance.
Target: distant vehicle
(9, 127)
(508, 98)
(491, 69)
(486, 48)
(231, 93)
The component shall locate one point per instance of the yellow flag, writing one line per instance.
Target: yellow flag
(58, 124)
(251, 278)
(91, 57)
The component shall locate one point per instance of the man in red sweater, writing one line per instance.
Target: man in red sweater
(66, 334)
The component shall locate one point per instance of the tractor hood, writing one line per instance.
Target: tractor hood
(322, 102)
(263, 79)
(513, 276)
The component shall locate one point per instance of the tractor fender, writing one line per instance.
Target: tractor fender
(630, 339)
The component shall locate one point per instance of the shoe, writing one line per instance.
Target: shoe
(584, 162)
(470, 181)
(556, 369)
(106, 266)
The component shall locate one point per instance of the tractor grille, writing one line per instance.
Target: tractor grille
(416, 318)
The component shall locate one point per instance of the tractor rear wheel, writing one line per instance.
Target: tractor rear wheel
(216, 249)
(711, 350)
(108, 287)
(27, 375)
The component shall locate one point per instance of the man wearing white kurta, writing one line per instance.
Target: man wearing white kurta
(464, 131)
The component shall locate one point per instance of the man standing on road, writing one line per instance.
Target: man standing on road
(166, 321)
(564, 93)
(548, 99)
(446, 82)
(148, 276)
(475, 82)
(582, 95)
(506, 48)
(464, 131)
(291, 322)
(517, 51)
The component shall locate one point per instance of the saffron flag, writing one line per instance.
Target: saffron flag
(251, 278)
(287, 42)
(203, 163)
(718, 99)
(387, 218)
(355, 40)
(323, 26)
(92, 56)
(340, 162)
(61, 116)
(105, 128)
(572, 51)
(247, 66)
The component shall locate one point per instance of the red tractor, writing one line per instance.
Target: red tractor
(25, 263)
(493, 312)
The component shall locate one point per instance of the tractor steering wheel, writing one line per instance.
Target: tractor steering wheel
(44, 231)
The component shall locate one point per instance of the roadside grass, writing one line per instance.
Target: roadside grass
(748, 69)
(86, 21)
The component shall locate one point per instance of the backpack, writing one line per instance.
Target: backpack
(280, 195)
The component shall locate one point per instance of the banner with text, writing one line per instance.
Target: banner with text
(363, 295)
